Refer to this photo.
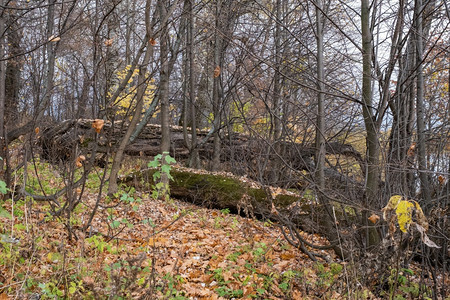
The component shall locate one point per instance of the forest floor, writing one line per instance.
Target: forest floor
(141, 248)
(171, 250)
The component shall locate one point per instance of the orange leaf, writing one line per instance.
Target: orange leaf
(152, 42)
(98, 125)
(411, 150)
(108, 43)
(4, 296)
(374, 218)
(217, 72)
(79, 160)
(36, 130)
(287, 256)
(441, 179)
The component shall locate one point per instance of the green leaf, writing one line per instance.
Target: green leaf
(166, 169)
(160, 185)
(4, 213)
(72, 290)
(3, 188)
(115, 224)
(153, 164)
(170, 160)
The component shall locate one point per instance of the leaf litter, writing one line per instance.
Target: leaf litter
(212, 253)
(188, 251)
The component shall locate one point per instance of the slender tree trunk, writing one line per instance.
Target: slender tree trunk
(142, 86)
(421, 138)
(216, 93)
(51, 56)
(372, 176)
(194, 160)
(320, 127)
(164, 79)
(3, 141)
(276, 98)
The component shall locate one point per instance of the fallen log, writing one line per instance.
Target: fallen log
(220, 190)
(241, 154)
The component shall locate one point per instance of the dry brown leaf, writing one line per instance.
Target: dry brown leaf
(88, 280)
(4, 296)
(287, 256)
(36, 130)
(217, 72)
(109, 42)
(425, 239)
(152, 42)
(374, 218)
(52, 38)
(441, 179)
(79, 160)
(411, 150)
(297, 295)
(274, 210)
(98, 125)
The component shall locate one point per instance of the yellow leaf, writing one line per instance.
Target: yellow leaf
(392, 204)
(404, 212)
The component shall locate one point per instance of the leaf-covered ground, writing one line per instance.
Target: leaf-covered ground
(140, 247)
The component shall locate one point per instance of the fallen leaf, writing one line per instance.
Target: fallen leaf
(4, 296)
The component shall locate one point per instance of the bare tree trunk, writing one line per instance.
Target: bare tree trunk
(372, 176)
(276, 98)
(164, 78)
(3, 141)
(142, 86)
(216, 92)
(421, 138)
(194, 160)
(320, 126)
(51, 56)
(13, 72)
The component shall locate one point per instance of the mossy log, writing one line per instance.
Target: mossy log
(220, 190)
